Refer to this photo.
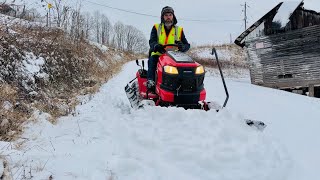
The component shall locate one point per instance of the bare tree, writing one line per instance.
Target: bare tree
(80, 23)
(30, 14)
(97, 26)
(65, 17)
(77, 25)
(140, 44)
(73, 24)
(60, 11)
(88, 25)
(106, 29)
(135, 40)
(119, 35)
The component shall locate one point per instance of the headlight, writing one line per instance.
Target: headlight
(200, 70)
(170, 70)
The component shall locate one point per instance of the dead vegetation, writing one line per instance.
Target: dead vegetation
(6, 172)
(12, 112)
(70, 68)
(235, 60)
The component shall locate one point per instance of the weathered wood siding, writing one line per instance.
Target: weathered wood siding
(286, 60)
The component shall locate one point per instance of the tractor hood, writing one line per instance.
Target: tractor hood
(180, 57)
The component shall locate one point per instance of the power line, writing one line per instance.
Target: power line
(123, 10)
(208, 20)
(149, 15)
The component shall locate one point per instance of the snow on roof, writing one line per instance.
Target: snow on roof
(283, 12)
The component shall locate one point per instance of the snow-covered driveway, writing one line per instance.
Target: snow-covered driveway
(107, 139)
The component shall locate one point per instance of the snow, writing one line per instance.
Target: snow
(235, 74)
(12, 31)
(117, 57)
(224, 54)
(31, 68)
(107, 139)
(7, 105)
(284, 12)
(292, 119)
(102, 47)
(12, 21)
(32, 63)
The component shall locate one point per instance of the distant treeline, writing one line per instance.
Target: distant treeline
(95, 27)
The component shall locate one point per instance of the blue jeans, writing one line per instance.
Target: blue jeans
(152, 65)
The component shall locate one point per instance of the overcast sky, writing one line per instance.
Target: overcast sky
(219, 19)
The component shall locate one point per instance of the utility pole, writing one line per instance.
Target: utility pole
(245, 15)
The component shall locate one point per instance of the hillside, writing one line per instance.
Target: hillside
(44, 69)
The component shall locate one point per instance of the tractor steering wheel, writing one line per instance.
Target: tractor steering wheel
(166, 45)
(171, 47)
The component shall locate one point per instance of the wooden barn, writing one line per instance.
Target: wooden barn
(283, 49)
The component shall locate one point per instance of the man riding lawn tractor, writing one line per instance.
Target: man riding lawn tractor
(167, 32)
(173, 78)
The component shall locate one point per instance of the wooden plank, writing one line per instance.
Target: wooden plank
(311, 90)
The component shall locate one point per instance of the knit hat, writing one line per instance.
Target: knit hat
(168, 9)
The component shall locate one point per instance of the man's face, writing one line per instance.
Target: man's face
(168, 18)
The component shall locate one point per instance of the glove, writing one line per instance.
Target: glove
(159, 48)
(181, 46)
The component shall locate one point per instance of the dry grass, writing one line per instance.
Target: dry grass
(6, 171)
(12, 113)
(74, 68)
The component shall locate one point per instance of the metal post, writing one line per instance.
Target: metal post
(223, 81)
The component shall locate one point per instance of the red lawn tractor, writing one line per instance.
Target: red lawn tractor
(179, 83)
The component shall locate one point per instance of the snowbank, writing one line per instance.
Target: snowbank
(106, 138)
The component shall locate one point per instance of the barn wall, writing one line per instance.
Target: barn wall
(287, 59)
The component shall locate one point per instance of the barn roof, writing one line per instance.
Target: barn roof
(282, 13)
